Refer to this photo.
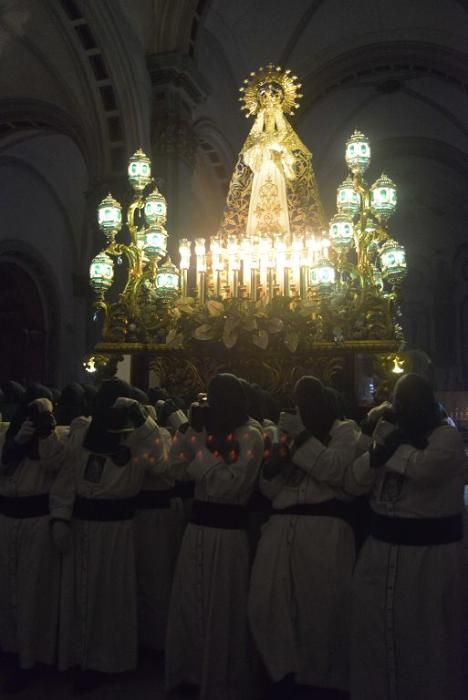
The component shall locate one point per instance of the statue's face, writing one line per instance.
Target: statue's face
(270, 94)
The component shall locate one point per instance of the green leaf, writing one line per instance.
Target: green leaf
(292, 341)
(204, 332)
(174, 339)
(230, 338)
(249, 324)
(231, 324)
(274, 325)
(261, 339)
(215, 308)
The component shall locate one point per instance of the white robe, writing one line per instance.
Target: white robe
(207, 637)
(98, 613)
(406, 600)
(29, 563)
(302, 570)
(158, 535)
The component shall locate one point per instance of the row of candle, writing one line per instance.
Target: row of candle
(251, 267)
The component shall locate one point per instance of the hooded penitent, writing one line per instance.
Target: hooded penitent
(90, 395)
(228, 411)
(30, 449)
(13, 393)
(254, 400)
(416, 408)
(316, 409)
(140, 395)
(336, 403)
(99, 437)
(228, 404)
(72, 403)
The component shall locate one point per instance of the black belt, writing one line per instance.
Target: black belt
(104, 509)
(259, 504)
(416, 532)
(152, 500)
(225, 516)
(184, 489)
(25, 506)
(332, 508)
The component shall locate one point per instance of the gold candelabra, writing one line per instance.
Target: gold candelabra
(152, 279)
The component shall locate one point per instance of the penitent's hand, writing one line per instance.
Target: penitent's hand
(376, 413)
(290, 423)
(25, 433)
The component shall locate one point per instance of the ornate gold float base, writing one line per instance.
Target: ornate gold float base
(357, 369)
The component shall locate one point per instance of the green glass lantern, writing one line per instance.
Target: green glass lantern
(139, 171)
(155, 208)
(101, 273)
(358, 153)
(341, 232)
(167, 281)
(377, 277)
(110, 217)
(348, 201)
(155, 241)
(393, 262)
(383, 197)
(322, 274)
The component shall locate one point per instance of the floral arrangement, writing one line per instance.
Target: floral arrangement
(288, 323)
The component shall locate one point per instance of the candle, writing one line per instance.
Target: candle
(297, 259)
(280, 250)
(200, 253)
(270, 265)
(287, 276)
(184, 250)
(217, 264)
(234, 264)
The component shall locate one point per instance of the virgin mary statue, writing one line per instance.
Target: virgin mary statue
(273, 189)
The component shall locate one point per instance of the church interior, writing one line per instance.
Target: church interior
(87, 85)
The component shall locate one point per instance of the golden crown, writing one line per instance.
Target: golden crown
(275, 75)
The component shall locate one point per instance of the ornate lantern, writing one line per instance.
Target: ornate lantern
(322, 274)
(383, 197)
(155, 241)
(155, 208)
(139, 171)
(110, 217)
(341, 232)
(101, 273)
(347, 199)
(358, 153)
(167, 281)
(393, 262)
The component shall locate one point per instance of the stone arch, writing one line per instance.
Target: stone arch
(434, 149)
(381, 62)
(29, 296)
(460, 270)
(122, 80)
(22, 164)
(26, 116)
(177, 25)
(217, 149)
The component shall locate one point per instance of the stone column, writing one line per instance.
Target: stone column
(178, 88)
